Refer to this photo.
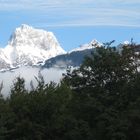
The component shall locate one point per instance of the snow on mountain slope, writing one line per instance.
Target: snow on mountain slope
(93, 44)
(4, 62)
(28, 46)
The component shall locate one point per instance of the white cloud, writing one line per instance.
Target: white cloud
(41, 4)
(78, 12)
(28, 73)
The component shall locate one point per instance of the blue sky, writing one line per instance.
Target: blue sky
(74, 22)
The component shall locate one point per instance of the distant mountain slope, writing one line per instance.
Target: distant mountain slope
(70, 59)
(75, 57)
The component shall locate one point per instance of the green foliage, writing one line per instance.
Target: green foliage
(98, 101)
(106, 85)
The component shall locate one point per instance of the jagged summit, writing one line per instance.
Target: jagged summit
(93, 44)
(28, 45)
(19, 32)
(25, 26)
(27, 35)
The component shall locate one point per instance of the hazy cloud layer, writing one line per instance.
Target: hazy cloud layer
(78, 12)
(29, 74)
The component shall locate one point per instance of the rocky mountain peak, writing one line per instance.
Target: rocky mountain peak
(29, 45)
(93, 44)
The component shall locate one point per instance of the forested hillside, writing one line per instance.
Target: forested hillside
(98, 101)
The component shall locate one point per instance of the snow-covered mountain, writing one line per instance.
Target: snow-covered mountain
(28, 46)
(93, 44)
